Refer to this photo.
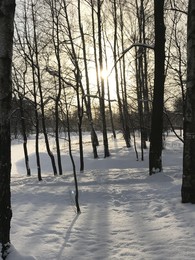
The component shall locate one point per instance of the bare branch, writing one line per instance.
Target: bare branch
(177, 10)
(143, 45)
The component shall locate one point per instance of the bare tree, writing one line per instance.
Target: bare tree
(72, 159)
(7, 10)
(55, 14)
(25, 49)
(188, 180)
(155, 160)
(176, 50)
(122, 102)
(21, 97)
(78, 82)
(101, 81)
(39, 83)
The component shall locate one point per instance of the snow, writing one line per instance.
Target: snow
(125, 213)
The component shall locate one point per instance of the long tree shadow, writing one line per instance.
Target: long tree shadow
(91, 237)
(67, 236)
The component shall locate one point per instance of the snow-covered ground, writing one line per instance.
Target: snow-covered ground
(125, 213)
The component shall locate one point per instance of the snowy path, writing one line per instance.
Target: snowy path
(126, 214)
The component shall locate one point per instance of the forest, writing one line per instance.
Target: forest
(102, 68)
(89, 66)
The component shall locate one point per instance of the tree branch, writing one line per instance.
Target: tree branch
(173, 129)
(143, 45)
(177, 10)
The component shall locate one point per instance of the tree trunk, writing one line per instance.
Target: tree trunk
(102, 83)
(155, 160)
(56, 44)
(78, 87)
(188, 180)
(80, 120)
(23, 126)
(126, 115)
(87, 100)
(7, 9)
(124, 118)
(72, 160)
(36, 123)
(41, 92)
(29, 59)
(139, 83)
(109, 101)
(141, 77)
(22, 116)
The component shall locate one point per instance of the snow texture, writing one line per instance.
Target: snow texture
(125, 213)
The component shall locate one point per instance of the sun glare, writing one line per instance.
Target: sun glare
(108, 79)
(104, 74)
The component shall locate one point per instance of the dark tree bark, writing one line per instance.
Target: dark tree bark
(102, 83)
(7, 9)
(28, 56)
(22, 115)
(155, 160)
(141, 77)
(87, 100)
(23, 126)
(38, 73)
(108, 92)
(94, 137)
(121, 105)
(72, 160)
(139, 83)
(56, 44)
(78, 86)
(37, 126)
(126, 115)
(188, 180)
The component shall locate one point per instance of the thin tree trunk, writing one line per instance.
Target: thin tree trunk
(36, 124)
(141, 77)
(29, 58)
(80, 119)
(94, 139)
(109, 98)
(22, 116)
(23, 125)
(56, 44)
(124, 118)
(79, 88)
(7, 10)
(102, 83)
(72, 160)
(41, 94)
(139, 99)
(146, 107)
(126, 115)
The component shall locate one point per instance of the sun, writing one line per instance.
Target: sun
(109, 81)
(104, 74)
